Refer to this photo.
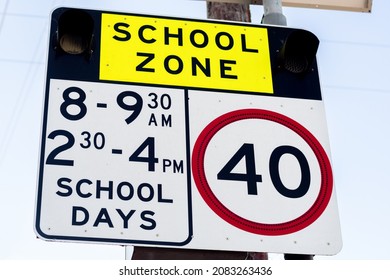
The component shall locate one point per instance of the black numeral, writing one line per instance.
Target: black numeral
(303, 187)
(164, 102)
(150, 159)
(246, 152)
(71, 102)
(97, 140)
(51, 159)
(135, 107)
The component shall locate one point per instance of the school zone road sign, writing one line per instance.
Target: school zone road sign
(182, 133)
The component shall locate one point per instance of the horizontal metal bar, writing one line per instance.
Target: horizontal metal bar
(341, 5)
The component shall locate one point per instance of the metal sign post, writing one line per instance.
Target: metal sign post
(273, 13)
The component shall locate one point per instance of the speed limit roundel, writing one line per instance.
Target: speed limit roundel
(211, 184)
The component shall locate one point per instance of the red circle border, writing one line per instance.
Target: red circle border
(223, 212)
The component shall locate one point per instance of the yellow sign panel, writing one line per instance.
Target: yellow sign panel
(185, 53)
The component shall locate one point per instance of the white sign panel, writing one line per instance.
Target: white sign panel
(261, 166)
(172, 142)
(97, 152)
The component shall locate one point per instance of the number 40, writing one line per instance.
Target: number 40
(247, 153)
